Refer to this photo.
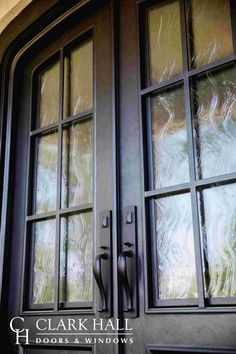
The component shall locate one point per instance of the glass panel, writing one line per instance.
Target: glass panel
(77, 164)
(44, 261)
(76, 258)
(215, 122)
(210, 31)
(219, 240)
(169, 137)
(79, 80)
(164, 35)
(46, 173)
(175, 248)
(49, 95)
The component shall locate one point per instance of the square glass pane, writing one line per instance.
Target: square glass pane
(78, 80)
(77, 163)
(175, 247)
(46, 172)
(215, 122)
(169, 138)
(49, 96)
(44, 261)
(76, 256)
(210, 31)
(164, 39)
(218, 211)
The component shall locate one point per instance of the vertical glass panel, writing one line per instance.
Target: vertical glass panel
(210, 31)
(49, 95)
(219, 240)
(46, 173)
(76, 258)
(175, 248)
(77, 164)
(44, 261)
(215, 122)
(78, 86)
(169, 138)
(164, 36)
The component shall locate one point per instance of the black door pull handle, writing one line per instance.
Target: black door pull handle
(97, 271)
(122, 269)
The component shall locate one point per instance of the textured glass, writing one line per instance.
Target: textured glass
(210, 31)
(76, 258)
(215, 122)
(175, 248)
(78, 88)
(49, 96)
(219, 240)
(164, 35)
(44, 261)
(77, 165)
(46, 173)
(169, 138)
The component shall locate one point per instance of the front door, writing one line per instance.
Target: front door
(151, 160)
(177, 173)
(61, 192)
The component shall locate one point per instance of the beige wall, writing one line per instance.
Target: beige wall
(9, 9)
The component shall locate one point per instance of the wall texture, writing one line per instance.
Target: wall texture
(9, 9)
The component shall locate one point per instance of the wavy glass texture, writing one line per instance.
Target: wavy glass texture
(175, 248)
(77, 164)
(164, 38)
(46, 173)
(219, 240)
(210, 32)
(49, 96)
(76, 258)
(44, 261)
(78, 80)
(169, 139)
(215, 122)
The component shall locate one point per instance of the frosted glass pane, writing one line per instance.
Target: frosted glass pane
(46, 173)
(77, 165)
(78, 87)
(76, 258)
(164, 36)
(219, 240)
(44, 261)
(169, 137)
(210, 31)
(215, 122)
(175, 248)
(49, 95)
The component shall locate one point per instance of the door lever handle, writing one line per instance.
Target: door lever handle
(97, 271)
(122, 269)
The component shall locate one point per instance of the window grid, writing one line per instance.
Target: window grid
(59, 212)
(195, 184)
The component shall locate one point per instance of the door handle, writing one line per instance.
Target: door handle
(122, 269)
(97, 271)
(102, 266)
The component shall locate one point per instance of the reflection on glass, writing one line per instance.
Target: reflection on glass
(215, 122)
(46, 173)
(175, 248)
(219, 240)
(76, 258)
(169, 137)
(164, 35)
(210, 31)
(77, 164)
(78, 86)
(44, 261)
(49, 95)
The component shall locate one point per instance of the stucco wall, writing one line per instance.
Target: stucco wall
(9, 9)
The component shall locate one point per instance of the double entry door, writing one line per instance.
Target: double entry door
(121, 208)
